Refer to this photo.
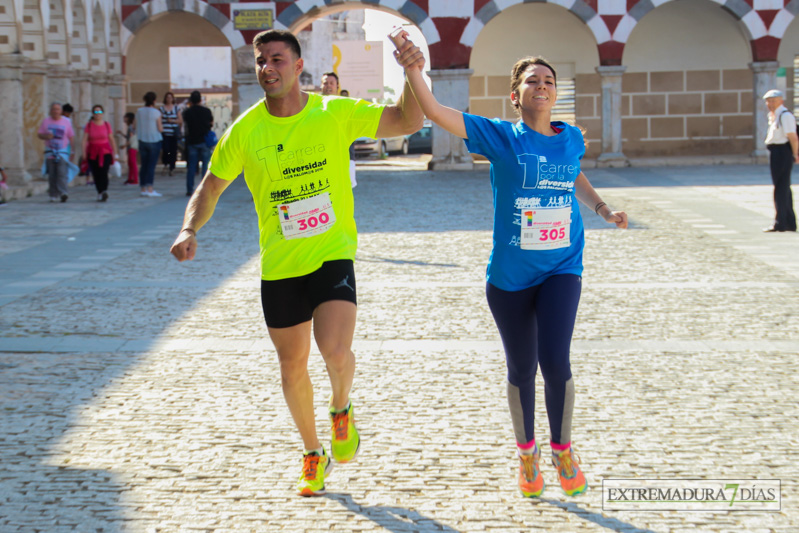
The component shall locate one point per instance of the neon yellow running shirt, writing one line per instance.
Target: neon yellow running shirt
(297, 169)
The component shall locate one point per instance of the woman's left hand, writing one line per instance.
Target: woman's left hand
(616, 217)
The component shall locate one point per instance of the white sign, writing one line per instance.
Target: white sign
(359, 65)
(216, 68)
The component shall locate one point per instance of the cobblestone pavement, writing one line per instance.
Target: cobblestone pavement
(139, 394)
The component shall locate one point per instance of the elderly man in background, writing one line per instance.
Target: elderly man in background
(783, 146)
(57, 133)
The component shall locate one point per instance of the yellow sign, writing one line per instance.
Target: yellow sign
(253, 19)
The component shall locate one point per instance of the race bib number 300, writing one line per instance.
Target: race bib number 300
(545, 229)
(307, 217)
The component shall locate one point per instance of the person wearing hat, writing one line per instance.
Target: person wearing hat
(783, 146)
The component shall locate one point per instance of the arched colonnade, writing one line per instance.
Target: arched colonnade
(632, 101)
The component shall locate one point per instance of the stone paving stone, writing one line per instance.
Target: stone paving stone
(142, 395)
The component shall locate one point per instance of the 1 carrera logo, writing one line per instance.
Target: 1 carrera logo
(540, 174)
(280, 163)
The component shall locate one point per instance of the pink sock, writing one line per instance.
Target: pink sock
(557, 448)
(527, 449)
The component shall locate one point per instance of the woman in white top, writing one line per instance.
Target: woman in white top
(148, 129)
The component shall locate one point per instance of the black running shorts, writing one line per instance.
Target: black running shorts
(291, 301)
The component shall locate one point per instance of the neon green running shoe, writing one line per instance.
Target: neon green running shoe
(346, 441)
(314, 469)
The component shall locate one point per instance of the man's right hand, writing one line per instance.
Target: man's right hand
(185, 246)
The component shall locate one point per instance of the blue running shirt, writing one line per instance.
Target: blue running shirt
(532, 175)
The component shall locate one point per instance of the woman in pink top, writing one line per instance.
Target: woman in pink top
(99, 148)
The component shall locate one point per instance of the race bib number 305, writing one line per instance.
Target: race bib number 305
(545, 229)
(307, 217)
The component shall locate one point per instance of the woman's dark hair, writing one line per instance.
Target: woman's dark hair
(149, 98)
(278, 35)
(169, 93)
(95, 106)
(519, 68)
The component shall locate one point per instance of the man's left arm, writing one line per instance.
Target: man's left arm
(794, 140)
(403, 118)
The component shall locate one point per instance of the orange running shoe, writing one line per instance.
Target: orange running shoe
(531, 482)
(570, 475)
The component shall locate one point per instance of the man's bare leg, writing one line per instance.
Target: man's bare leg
(293, 345)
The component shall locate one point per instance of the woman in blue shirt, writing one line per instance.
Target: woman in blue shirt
(534, 272)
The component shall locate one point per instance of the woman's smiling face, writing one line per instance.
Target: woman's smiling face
(537, 90)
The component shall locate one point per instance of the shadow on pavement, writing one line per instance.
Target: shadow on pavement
(43, 392)
(604, 521)
(394, 519)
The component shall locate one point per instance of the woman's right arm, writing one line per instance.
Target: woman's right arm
(412, 60)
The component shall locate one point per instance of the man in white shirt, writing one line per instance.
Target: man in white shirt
(783, 146)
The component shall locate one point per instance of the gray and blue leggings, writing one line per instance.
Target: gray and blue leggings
(536, 326)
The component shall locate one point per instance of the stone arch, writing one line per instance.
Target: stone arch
(495, 51)
(147, 52)
(687, 89)
(299, 15)
(763, 27)
(658, 40)
(153, 10)
(579, 8)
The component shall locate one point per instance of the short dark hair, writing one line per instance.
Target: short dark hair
(195, 97)
(519, 68)
(131, 117)
(66, 108)
(149, 98)
(333, 74)
(278, 35)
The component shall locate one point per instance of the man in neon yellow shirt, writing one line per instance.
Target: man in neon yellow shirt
(293, 148)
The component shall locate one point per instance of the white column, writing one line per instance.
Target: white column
(611, 155)
(83, 106)
(100, 91)
(12, 109)
(765, 79)
(59, 88)
(117, 104)
(35, 88)
(248, 91)
(451, 87)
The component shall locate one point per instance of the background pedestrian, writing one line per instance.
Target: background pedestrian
(132, 146)
(173, 125)
(148, 130)
(56, 130)
(783, 146)
(199, 120)
(99, 148)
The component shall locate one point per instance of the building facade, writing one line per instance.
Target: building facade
(645, 78)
